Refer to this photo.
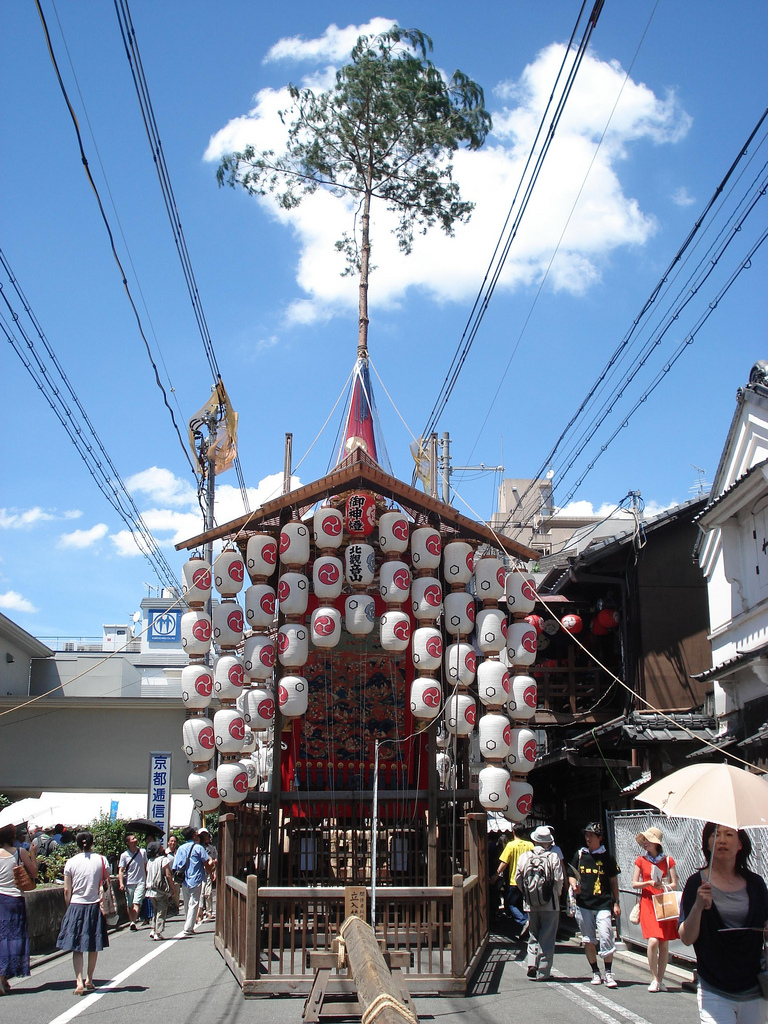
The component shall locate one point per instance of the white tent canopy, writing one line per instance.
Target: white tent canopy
(72, 809)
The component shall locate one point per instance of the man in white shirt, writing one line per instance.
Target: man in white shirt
(132, 871)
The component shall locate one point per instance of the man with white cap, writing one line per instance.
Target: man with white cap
(539, 876)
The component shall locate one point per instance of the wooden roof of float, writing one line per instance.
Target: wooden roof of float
(358, 470)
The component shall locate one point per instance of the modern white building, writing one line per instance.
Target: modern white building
(733, 555)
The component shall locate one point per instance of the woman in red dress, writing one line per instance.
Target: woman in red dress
(653, 871)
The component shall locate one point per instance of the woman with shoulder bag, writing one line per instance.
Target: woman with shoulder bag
(160, 886)
(655, 873)
(84, 928)
(14, 936)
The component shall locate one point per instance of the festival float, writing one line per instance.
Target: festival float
(368, 658)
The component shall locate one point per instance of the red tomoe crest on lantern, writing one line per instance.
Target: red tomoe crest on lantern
(235, 675)
(332, 526)
(431, 696)
(504, 628)
(432, 595)
(435, 646)
(283, 590)
(329, 574)
(266, 710)
(282, 642)
(212, 789)
(204, 685)
(202, 579)
(508, 788)
(324, 625)
(267, 655)
(402, 579)
(507, 734)
(282, 695)
(524, 803)
(400, 529)
(471, 661)
(269, 553)
(205, 739)
(501, 576)
(471, 714)
(268, 604)
(235, 621)
(471, 610)
(402, 629)
(470, 561)
(505, 682)
(528, 642)
(285, 543)
(529, 750)
(530, 696)
(434, 545)
(237, 729)
(527, 590)
(202, 630)
(236, 571)
(240, 782)
(361, 515)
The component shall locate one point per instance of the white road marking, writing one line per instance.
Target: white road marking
(595, 995)
(86, 1002)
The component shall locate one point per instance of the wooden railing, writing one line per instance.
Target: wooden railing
(266, 933)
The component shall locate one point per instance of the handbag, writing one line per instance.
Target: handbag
(21, 876)
(107, 898)
(634, 914)
(666, 905)
(179, 874)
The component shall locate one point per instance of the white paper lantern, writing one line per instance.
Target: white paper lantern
(260, 606)
(359, 614)
(458, 559)
(426, 548)
(427, 648)
(198, 739)
(259, 708)
(326, 627)
(327, 577)
(360, 564)
(394, 529)
(249, 742)
(460, 714)
(293, 593)
(394, 582)
(459, 613)
(261, 555)
(491, 630)
(522, 753)
(293, 644)
(197, 581)
(521, 592)
(227, 624)
(520, 801)
(229, 730)
(426, 598)
(258, 656)
(228, 677)
(204, 791)
(426, 698)
(521, 643)
(523, 697)
(494, 788)
(395, 630)
(196, 632)
(460, 663)
(294, 544)
(251, 770)
(196, 686)
(232, 782)
(495, 736)
(490, 577)
(328, 528)
(229, 572)
(293, 696)
(493, 683)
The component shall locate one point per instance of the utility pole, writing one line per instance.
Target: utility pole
(448, 470)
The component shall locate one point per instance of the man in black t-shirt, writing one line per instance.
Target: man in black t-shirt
(593, 877)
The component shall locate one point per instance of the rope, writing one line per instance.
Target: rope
(384, 1001)
(342, 954)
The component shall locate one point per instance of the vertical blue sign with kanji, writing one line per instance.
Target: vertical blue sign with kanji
(159, 794)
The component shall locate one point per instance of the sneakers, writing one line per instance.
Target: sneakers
(596, 979)
(524, 931)
(531, 972)
(610, 981)
(654, 986)
(133, 927)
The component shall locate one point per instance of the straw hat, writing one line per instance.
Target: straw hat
(653, 835)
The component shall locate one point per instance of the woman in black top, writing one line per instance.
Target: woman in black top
(724, 915)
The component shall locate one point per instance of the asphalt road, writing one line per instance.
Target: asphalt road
(185, 981)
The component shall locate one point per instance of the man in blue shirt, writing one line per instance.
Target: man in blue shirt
(194, 859)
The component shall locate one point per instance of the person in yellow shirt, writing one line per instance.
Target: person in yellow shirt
(513, 899)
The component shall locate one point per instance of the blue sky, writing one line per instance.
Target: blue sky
(283, 321)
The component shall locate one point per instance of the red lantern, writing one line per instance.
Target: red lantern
(597, 629)
(537, 622)
(360, 515)
(572, 623)
(608, 618)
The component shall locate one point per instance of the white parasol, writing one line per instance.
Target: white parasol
(712, 792)
(23, 810)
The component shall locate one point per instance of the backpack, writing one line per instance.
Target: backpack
(45, 845)
(537, 881)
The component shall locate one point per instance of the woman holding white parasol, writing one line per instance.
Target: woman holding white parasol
(724, 908)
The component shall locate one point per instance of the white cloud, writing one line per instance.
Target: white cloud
(682, 197)
(334, 44)
(83, 538)
(13, 519)
(605, 218)
(161, 485)
(13, 602)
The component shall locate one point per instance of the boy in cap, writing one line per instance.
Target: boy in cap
(593, 877)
